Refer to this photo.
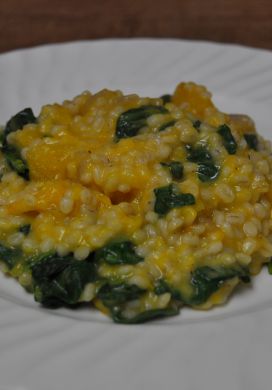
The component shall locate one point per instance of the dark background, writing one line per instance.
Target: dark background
(26, 23)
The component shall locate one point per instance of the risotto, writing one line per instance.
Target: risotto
(137, 206)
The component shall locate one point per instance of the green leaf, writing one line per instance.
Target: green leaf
(59, 280)
(197, 124)
(206, 280)
(25, 229)
(2, 137)
(176, 169)
(251, 140)
(19, 120)
(269, 266)
(228, 139)
(116, 296)
(130, 122)
(15, 161)
(166, 125)
(169, 197)
(148, 315)
(166, 98)
(11, 153)
(113, 294)
(10, 256)
(207, 172)
(162, 287)
(198, 154)
(118, 253)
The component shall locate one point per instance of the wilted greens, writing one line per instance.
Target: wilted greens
(227, 138)
(169, 197)
(130, 122)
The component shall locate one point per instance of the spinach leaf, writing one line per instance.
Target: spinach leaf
(166, 98)
(148, 315)
(15, 161)
(130, 122)
(115, 297)
(197, 124)
(112, 294)
(118, 253)
(198, 154)
(251, 140)
(163, 287)
(269, 266)
(206, 280)
(176, 169)
(2, 138)
(11, 153)
(168, 197)
(228, 139)
(207, 172)
(19, 120)
(167, 124)
(59, 280)
(10, 256)
(25, 229)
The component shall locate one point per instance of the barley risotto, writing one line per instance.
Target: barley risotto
(135, 205)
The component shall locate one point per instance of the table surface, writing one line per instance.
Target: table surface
(25, 23)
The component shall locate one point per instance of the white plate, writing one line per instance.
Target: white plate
(226, 348)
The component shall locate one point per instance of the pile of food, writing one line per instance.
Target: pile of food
(138, 206)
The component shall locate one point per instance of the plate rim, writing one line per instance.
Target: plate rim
(135, 39)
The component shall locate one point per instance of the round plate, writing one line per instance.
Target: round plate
(225, 348)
